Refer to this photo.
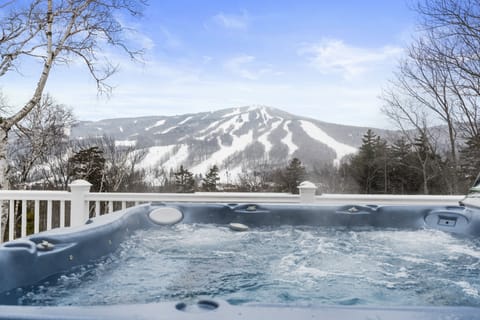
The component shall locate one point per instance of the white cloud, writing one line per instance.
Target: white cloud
(232, 21)
(238, 66)
(168, 94)
(170, 40)
(244, 66)
(332, 56)
(133, 34)
(178, 86)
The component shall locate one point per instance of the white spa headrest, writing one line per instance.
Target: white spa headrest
(166, 216)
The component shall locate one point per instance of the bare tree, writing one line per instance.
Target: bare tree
(55, 169)
(54, 33)
(453, 29)
(36, 137)
(122, 165)
(441, 73)
(407, 114)
(121, 171)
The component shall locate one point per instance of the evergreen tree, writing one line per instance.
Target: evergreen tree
(369, 166)
(292, 176)
(429, 164)
(184, 182)
(403, 178)
(88, 164)
(209, 183)
(470, 161)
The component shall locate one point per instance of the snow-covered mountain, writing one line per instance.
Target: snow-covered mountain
(233, 139)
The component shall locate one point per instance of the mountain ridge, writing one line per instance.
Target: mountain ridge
(234, 139)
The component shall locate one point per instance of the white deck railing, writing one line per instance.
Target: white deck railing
(35, 211)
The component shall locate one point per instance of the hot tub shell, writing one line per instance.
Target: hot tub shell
(29, 260)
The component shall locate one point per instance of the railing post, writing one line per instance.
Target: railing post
(78, 212)
(307, 192)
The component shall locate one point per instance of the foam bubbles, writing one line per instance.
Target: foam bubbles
(300, 265)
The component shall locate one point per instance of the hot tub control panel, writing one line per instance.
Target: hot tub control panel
(448, 220)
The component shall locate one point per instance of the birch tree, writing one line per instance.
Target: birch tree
(55, 33)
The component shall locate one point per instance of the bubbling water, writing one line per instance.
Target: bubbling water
(294, 265)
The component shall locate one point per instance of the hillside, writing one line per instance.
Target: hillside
(233, 139)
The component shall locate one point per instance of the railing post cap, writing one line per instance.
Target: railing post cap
(307, 185)
(80, 183)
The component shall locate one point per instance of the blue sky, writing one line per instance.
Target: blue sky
(322, 59)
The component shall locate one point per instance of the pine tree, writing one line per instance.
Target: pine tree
(209, 183)
(403, 178)
(292, 176)
(184, 182)
(429, 164)
(88, 164)
(369, 166)
(470, 160)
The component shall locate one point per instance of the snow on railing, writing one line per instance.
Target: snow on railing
(35, 211)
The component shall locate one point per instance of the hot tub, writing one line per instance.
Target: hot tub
(250, 261)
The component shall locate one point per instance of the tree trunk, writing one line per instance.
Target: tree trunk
(425, 178)
(453, 154)
(4, 185)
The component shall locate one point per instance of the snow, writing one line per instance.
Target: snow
(206, 115)
(287, 140)
(125, 143)
(266, 116)
(233, 113)
(67, 131)
(157, 124)
(244, 117)
(168, 130)
(238, 144)
(230, 175)
(154, 155)
(230, 125)
(178, 158)
(263, 139)
(318, 134)
(211, 126)
(185, 120)
(121, 129)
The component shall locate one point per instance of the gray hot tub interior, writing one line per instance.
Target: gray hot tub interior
(29, 260)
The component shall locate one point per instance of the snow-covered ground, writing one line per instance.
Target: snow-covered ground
(186, 133)
(238, 144)
(177, 159)
(287, 140)
(263, 139)
(229, 125)
(185, 120)
(318, 134)
(157, 124)
(125, 143)
(154, 155)
(168, 130)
